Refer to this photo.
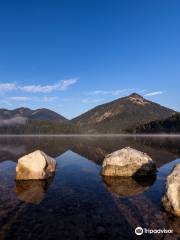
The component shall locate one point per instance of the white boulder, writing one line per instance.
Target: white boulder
(35, 166)
(127, 162)
(171, 199)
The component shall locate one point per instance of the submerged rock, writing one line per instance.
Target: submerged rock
(128, 162)
(171, 199)
(35, 166)
(32, 191)
(128, 186)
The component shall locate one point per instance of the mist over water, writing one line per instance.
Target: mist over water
(13, 121)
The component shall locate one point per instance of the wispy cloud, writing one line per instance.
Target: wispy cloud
(38, 88)
(60, 86)
(5, 102)
(7, 86)
(48, 99)
(66, 83)
(92, 100)
(115, 92)
(19, 98)
(154, 93)
(10, 101)
(104, 92)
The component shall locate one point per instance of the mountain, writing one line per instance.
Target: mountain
(40, 121)
(169, 125)
(21, 115)
(120, 115)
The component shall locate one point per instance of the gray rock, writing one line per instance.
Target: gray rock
(127, 162)
(35, 166)
(171, 199)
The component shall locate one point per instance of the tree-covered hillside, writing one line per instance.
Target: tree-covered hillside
(169, 125)
(40, 127)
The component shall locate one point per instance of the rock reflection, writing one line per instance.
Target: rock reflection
(128, 186)
(32, 191)
(174, 223)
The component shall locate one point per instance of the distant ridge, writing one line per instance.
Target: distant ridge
(39, 121)
(29, 114)
(121, 114)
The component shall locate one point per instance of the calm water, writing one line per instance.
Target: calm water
(77, 203)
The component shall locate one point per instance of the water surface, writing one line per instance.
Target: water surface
(78, 203)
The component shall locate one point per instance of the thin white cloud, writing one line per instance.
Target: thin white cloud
(67, 99)
(38, 88)
(4, 102)
(49, 99)
(104, 92)
(141, 91)
(66, 83)
(7, 87)
(154, 93)
(114, 92)
(92, 100)
(19, 98)
(60, 86)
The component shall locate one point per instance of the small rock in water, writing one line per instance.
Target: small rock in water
(171, 199)
(35, 166)
(128, 162)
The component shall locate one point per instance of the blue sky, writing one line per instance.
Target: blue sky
(70, 56)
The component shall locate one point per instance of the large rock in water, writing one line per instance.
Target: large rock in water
(171, 199)
(127, 162)
(35, 166)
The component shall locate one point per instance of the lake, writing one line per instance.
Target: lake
(78, 203)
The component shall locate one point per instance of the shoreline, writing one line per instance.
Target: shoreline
(91, 135)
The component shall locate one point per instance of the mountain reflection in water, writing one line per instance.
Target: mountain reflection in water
(78, 203)
(95, 148)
